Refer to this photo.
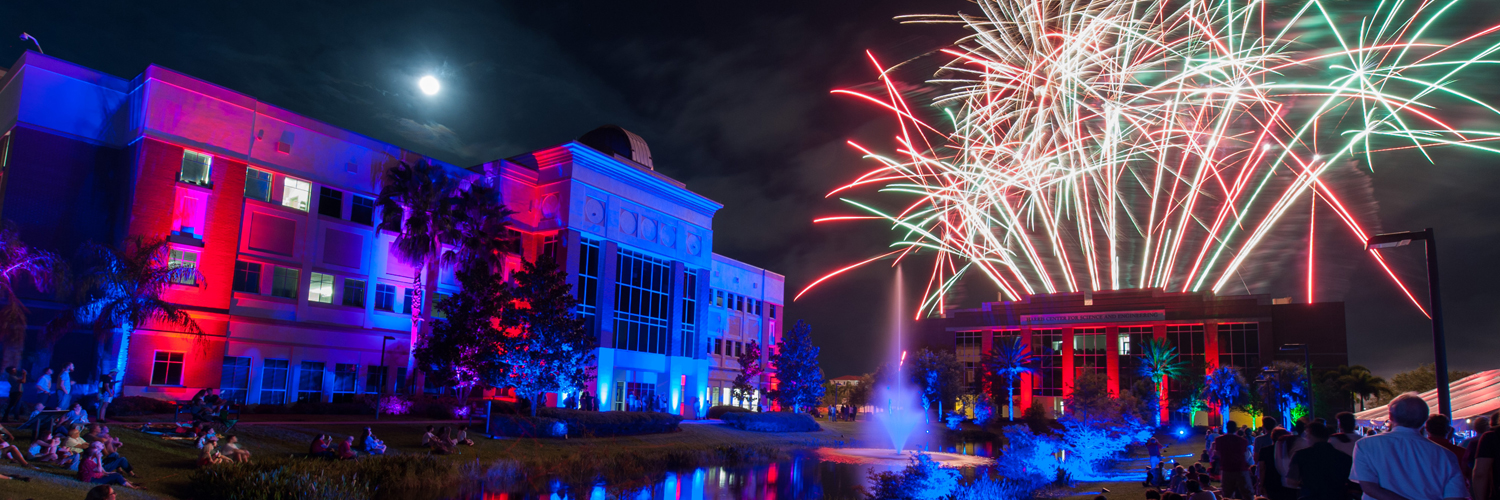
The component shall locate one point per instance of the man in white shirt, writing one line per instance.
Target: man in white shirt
(65, 387)
(1402, 464)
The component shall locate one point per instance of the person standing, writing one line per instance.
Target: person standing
(1234, 469)
(44, 386)
(1441, 432)
(106, 393)
(1346, 437)
(1403, 464)
(65, 386)
(1481, 425)
(1153, 452)
(17, 379)
(1320, 471)
(1487, 466)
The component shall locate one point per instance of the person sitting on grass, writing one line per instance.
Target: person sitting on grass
(204, 433)
(77, 416)
(100, 433)
(45, 450)
(91, 470)
(440, 444)
(428, 437)
(101, 492)
(233, 450)
(75, 442)
(1195, 491)
(1153, 494)
(11, 452)
(371, 444)
(463, 436)
(346, 449)
(321, 447)
(210, 454)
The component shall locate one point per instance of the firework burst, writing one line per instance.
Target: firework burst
(1106, 144)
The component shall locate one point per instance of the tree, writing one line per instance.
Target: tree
(437, 222)
(1193, 394)
(1223, 390)
(1359, 384)
(798, 378)
(545, 347)
(859, 394)
(120, 289)
(1090, 401)
(1159, 362)
(1421, 379)
(940, 377)
(750, 369)
(1007, 361)
(1284, 388)
(20, 263)
(459, 350)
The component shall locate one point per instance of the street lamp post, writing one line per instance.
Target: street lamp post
(1307, 367)
(1439, 341)
(380, 393)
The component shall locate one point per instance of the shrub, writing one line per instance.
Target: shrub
(526, 426)
(393, 476)
(140, 405)
(613, 423)
(322, 408)
(923, 478)
(772, 422)
(719, 411)
(395, 405)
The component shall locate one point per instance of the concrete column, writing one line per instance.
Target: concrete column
(1112, 359)
(1069, 366)
(1159, 332)
(1210, 346)
(606, 309)
(1027, 387)
(674, 315)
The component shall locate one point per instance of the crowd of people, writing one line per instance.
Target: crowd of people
(1416, 458)
(69, 440)
(842, 413)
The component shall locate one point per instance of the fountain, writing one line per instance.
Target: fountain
(902, 415)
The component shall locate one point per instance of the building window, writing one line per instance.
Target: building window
(408, 298)
(1046, 345)
(179, 259)
(1131, 339)
(588, 281)
(512, 243)
(549, 245)
(773, 311)
(310, 381)
(1090, 346)
(330, 202)
(385, 297)
(969, 340)
(354, 292)
(295, 193)
(1239, 345)
(635, 396)
(689, 312)
(345, 379)
(643, 291)
(437, 309)
(191, 213)
(246, 277)
(273, 382)
(362, 210)
(739, 304)
(258, 185)
(166, 369)
(195, 167)
(401, 383)
(1188, 339)
(234, 381)
(284, 282)
(374, 379)
(758, 308)
(320, 288)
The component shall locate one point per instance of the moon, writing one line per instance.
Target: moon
(429, 85)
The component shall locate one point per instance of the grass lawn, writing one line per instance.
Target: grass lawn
(165, 466)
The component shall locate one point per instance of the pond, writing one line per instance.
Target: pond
(807, 475)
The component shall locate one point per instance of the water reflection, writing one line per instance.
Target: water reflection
(803, 477)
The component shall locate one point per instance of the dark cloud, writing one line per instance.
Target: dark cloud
(733, 98)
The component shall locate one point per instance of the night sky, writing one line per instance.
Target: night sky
(733, 99)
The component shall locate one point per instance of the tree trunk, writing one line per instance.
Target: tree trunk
(421, 319)
(1010, 400)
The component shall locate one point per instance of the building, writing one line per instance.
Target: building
(302, 297)
(1102, 332)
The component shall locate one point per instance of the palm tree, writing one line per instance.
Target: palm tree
(1284, 387)
(1224, 389)
(430, 209)
(1159, 362)
(1358, 383)
(1007, 361)
(18, 261)
(120, 289)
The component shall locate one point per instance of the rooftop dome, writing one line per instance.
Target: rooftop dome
(613, 139)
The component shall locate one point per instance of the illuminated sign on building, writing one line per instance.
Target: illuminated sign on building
(1093, 317)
